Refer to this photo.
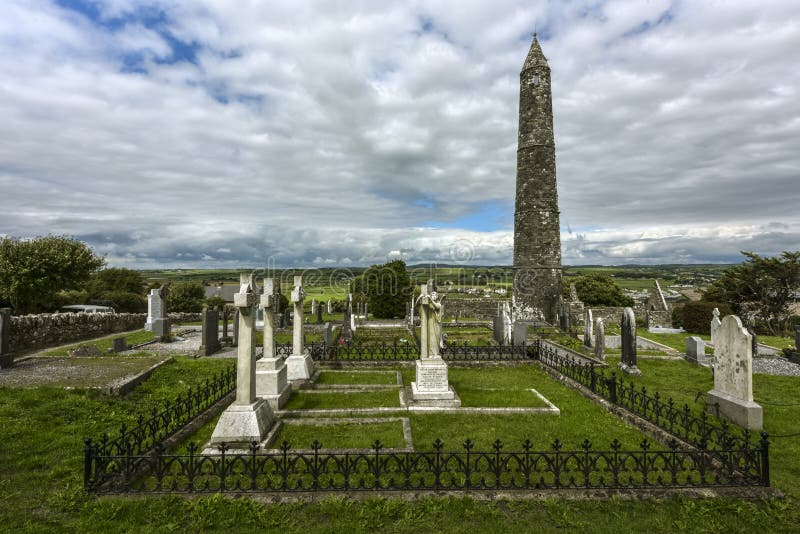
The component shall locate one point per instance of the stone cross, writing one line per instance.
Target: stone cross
(297, 300)
(5, 331)
(157, 321)
(628, 363)
(715, 322)
(245, 303)
(268, 299)
(588, 325)
(733, 376)
(599, 338)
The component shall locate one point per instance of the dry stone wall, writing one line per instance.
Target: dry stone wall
(483, 309)
(52, 329)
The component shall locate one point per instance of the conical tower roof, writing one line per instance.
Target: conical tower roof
(535, 56)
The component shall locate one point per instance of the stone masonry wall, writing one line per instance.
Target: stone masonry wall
(484, 309)
(52, 329)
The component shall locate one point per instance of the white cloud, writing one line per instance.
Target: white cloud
(334, 133)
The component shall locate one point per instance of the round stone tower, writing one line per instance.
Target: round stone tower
(537, 238)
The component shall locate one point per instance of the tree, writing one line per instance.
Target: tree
(600, 290)
(760, 289)
(695, 316)
(186, 297)
(386, 288)
(33, 271)
(121, 288)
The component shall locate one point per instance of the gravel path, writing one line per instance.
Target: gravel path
(775, 366)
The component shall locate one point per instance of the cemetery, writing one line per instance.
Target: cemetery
(306, 403)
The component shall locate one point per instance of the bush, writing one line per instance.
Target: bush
(124, 301)
(215, 302)
(697, 315)
(186, 297)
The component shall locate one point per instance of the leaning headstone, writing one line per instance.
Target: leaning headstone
(431, 387)
(628, 327)
(119, 345)
(696, 350)
(588, 325)
(157, 321)
(248, 419)
(6, 358)
(271, 371)
(209, 336)
(715, 322)
(733, 376)
(300, 365)
(599, 338)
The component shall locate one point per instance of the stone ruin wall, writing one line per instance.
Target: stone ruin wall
(52, 329)
(483, 309)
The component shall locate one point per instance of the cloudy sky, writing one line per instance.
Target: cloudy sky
(219, 133)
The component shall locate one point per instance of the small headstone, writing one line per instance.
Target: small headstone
(599, 338)
(319, 314)
(520, 333)
(715, 322)
(328, 334)
(6, 359)
(588, 325)
(733, 376)
(628, 327)
(313, 306)
(330, 307)
(209, 338)
(235, 341)
(119, 345)
(695, 349)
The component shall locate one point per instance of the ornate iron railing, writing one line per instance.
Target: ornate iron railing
(396, 351)
(285, 470)
(161, 424)
(704, 431)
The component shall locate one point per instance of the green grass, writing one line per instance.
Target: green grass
(777, 342)
(342, 435)
(105, 343)
(674, 341)
(361, 377)
(303, 400)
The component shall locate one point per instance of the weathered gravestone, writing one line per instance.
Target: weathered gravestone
(6, 359)
(313, 306)
(157, 320)
(271, 371)
(520, 333)
(431, 387)
(209, 337)
(248, 419)
(319, 314)
(328, 334)
(599, 338)
(628, 326)
(733, 376)
(715, 322)
(119, 345)
(696, 350)
(588, 325)
(300, 365)
(329, 307)
(366, 310)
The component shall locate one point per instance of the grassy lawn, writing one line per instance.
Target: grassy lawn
(41, 467)
(105, 343)
(342, 435)
(305, 400)
(358, 377)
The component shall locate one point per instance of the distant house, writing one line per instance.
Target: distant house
(225, 292)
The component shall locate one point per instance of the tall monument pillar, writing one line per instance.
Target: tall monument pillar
(537, 238)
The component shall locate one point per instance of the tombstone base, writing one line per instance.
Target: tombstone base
(161, 328)
(243, 423)
(432, 387)
(299, 367)
(746, 414)
(272, 384)
(629, 369)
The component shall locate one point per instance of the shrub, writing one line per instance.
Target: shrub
(697, 315)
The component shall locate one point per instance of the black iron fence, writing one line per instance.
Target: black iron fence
(399, 351)
(720, 455)
(526, 468)
(703, 431)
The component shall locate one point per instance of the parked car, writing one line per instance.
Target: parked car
(86, 308)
